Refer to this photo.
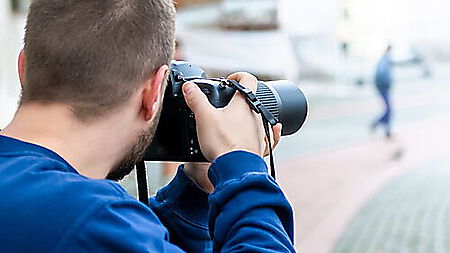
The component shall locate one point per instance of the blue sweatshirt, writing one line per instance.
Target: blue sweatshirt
(46, 206)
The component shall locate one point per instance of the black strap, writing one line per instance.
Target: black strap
(141, 179)
(272, 162)
(266, 115)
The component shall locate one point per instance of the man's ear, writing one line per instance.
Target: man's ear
(152, 92)
(21, 66)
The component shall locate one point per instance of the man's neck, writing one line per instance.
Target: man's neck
(85, 146)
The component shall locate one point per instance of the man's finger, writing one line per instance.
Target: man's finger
(277, 134)
(245, 79)
(196, 99)
(275, 137)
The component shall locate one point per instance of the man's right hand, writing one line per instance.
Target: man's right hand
(234, 127)
(220, 131)
(266, 216)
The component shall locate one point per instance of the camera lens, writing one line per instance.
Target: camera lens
(286, 102)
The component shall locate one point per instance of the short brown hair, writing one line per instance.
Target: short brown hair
(93, 54)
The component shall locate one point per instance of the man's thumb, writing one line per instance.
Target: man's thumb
(196, 99)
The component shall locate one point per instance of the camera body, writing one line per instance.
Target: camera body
(176, 135)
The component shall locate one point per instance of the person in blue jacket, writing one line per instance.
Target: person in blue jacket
(383, 83)
(93, 75)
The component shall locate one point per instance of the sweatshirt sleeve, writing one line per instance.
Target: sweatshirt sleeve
(246, 213)
(183, 209)
(249, 212)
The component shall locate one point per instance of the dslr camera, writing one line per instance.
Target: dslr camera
(176, 136)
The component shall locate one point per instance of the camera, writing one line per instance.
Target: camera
(176, 136)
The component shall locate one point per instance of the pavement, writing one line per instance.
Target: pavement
(410, 214)
(338, 175)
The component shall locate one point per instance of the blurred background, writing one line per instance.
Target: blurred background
(353, 187)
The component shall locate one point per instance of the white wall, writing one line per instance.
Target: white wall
(11, 34)
(419, 23)
(430, 26)
(311, 26)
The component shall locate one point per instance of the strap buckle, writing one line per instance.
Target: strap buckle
(267, 116)
(254, 102)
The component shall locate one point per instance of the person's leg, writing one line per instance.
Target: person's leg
(380, 120)
(386, 118)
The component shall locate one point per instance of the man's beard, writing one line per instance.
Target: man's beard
(136, 152)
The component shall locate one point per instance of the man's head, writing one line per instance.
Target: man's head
(94, 55)
(389, 48)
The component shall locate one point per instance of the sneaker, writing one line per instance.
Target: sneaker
(388, 135)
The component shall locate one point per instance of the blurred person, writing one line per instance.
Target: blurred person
(93, 75)
(383, 84)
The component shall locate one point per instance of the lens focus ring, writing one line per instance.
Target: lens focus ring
(267, 98)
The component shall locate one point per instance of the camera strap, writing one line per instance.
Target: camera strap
(267, 117)
(141, 181)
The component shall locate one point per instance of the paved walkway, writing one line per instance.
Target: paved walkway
(335, 167)
(411, 214)
(329, 188)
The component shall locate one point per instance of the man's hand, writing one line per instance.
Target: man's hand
(220, 131)
(198, 172)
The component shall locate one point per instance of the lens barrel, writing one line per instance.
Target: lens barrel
(286, 102)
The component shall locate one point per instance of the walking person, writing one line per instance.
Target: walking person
(383, 83)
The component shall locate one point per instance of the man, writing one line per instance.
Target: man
(383, 83)
(93, 77)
